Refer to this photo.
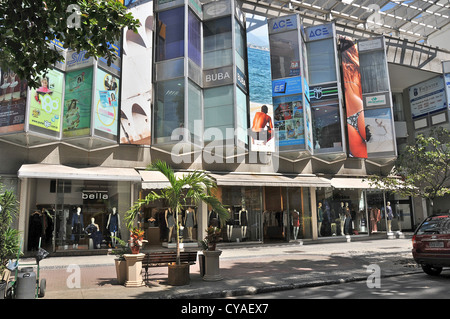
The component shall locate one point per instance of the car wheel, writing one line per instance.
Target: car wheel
(432, 271)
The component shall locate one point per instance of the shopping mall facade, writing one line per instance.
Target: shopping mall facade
(342, 100)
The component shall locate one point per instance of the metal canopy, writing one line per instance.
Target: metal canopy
(415, 20)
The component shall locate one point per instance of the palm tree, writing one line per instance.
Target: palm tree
(195, 186)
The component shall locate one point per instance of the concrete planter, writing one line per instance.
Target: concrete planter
(212, 269)
(134, 268)
(178, 275)
(121, 270)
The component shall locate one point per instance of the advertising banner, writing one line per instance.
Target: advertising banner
(106, 103)
(262, 130)
(46, 102)
(289, 120)
(77, 103)
(135, 115)
(13, 100)
(379, 129)
(428, 97)
(353, 98)
(288, 86)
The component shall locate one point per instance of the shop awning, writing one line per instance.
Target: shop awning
(270, 180)
(51, 171)
(155, 179)
(357, 183)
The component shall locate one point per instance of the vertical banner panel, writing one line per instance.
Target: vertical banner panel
(106, 104)
(353, 98)
(46, 102)
(77, 103)
(263, 138)
(13, 100)
(135, 114)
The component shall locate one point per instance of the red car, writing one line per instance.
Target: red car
(431, 244)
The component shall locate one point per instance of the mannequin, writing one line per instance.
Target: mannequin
(348, 221)
(295, 222)
(389, 216)
(190, 221)
(170, 222)
(243, 221)
(77, 227)
(342, 217)
(230, 223)
(94, 231)
(319, 218)
(213, 219)
(113, 225)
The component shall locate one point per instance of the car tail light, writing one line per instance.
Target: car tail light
(414, 241)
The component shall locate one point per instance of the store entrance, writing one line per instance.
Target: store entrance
(274, 218)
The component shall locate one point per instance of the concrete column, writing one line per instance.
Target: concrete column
(312, 191)
(202, 220)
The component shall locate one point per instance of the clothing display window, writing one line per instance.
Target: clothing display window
(341, 212)
(77, 214)
(244, 206)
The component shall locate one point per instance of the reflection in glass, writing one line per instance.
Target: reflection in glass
(326, 125)
(170, 34)
(284, 54)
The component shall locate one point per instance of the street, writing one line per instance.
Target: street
(414, 286)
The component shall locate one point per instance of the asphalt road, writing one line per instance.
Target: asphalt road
(414, 286)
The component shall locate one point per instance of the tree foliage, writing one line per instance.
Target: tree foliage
(8, 237)
(422, 169)
(28, 26)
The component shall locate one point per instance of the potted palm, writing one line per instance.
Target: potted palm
(192, 188)
(212, 269)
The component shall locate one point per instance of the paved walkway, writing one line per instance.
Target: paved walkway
(245, 269)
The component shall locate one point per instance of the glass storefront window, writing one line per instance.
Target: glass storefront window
(299, 207)
(170, 34)
(240, 45)
(217, 43)
(169, 109)
(244, 203)
(326, 125)
(321, 61)
(374, 73)
(101, 206)
(341, 212)
(284, 54)
(194, 43)
(218, 110)
(194, 111)
(241, 101)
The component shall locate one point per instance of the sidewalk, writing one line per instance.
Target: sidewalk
(245, 269)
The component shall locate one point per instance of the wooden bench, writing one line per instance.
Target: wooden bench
(160, 259)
